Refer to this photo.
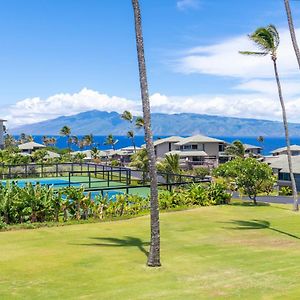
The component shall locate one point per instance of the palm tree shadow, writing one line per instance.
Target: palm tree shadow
(258, 224)
(127, 241)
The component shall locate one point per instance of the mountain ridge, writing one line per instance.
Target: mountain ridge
(103, 123)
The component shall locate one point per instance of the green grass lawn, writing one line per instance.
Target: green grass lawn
(221, 252)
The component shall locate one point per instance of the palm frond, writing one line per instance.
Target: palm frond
(253, 53)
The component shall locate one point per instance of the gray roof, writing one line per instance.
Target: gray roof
(170, 139)
(130, 148)
(198, 139)
(280, 162)
(88, 153)
(282, 149)
(30, 146)
(187, 153)
(248, 147)
(51, 154)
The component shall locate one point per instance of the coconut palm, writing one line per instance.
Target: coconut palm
(261, 140)
(66, 131)
(88, 140)
(110, 140)
(131, 135)
(292, 29)
(267, 39)
(236, 149)
(127, 116)
(154, 253)
(139, 122)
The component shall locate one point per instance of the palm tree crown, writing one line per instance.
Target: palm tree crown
(267, 39)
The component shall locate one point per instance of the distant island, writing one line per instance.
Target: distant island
(103, 123)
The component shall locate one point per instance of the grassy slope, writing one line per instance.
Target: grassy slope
(206, 253)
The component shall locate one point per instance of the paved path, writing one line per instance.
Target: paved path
(268, 199)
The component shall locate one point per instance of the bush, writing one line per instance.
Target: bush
(201, 172)
(286, 191)
(196, 194)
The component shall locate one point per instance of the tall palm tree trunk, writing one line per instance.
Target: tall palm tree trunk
(292, 29)
(287, 139)
(154, 253)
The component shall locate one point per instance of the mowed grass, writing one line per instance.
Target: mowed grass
(221, 252)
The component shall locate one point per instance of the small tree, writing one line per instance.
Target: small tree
(236, 149)
(250, 175)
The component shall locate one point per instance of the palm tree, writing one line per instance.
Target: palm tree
(292, 29)
(140, 161)
(154, 253)
(131, 135)
(236, 149)
(66, 131)
(127, 116)
(110, 140)
(88, 140)
(261, 140)
(139, 122)
(267, 39)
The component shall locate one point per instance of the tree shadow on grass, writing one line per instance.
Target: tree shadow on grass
(248, 203)
(127, 241)
(258, 224)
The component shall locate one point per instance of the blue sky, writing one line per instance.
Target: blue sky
(65, 56)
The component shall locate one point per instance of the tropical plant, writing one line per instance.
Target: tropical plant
(127, 116)
(88, 140)
(154, 253)
(292, 30)
(66, 132)
(110, 140)
(139, 122)
(267, 39)
(140, 161)
(131, 136)
(170, 165)
(236, 149)
(40, 155)
(250, 176)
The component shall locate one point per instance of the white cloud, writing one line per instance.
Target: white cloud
(261, 104)
(33, 110)
(223, 59)
(188, 4)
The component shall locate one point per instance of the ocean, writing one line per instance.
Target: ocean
(269, 144)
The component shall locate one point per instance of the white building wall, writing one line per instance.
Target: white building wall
(162, 149)
(212, 149)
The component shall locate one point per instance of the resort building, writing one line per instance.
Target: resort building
(30, 147)
(252, 150)
(163, 146)
(2, 133)
(193, 151)
(279, 165)
(88, 154)
(295, 150)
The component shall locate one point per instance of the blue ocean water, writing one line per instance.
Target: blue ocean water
(269, 144)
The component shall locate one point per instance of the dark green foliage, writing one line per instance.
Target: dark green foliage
(196, 194)
(40, 204)
(249, 175)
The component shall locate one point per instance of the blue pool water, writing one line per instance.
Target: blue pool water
(49, 182)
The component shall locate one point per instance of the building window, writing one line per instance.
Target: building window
(221, 147)
(284, 176)
(170, 146)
